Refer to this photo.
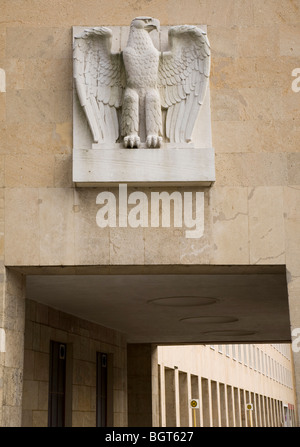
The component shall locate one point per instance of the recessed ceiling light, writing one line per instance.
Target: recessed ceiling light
(209, 319)
(183, 301)
(225, 333)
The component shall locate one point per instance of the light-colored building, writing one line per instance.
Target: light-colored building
(224, 380)
(85, 299)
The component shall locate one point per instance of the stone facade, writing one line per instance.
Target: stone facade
(252, 212)
(85, 339)
(224, 379)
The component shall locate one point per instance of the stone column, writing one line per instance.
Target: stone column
(183, 399)
(12, 328)
(142, 378)
(170, 390)
(206, 403)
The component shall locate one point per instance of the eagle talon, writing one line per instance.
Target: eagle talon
(132, 141)
(153, 141)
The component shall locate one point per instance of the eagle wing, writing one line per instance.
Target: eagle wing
(182, 80)
(99, 78)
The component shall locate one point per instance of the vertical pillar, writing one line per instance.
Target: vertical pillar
(243, 409)
(248, 416)
(195, 395)
(223, 413)
(272, 411)
(177, 405)
(183, 400)
(206, 407)
(170, 397)
(201, 424)
(263, 409)
(142, 377)
(254, 411)
(159, 395)
(237, 408)
(258, 409)
(230, 406)
(12, 328)
(280, 413)
(214, 403)
(162, 396)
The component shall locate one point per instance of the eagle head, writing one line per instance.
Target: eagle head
(146, 23)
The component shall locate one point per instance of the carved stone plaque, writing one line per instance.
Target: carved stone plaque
(141, 105)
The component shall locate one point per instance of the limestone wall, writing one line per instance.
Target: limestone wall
(255, 117)
(86, 339)
(252, 212)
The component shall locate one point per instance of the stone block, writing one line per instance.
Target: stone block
(290, 106)
(29, 171)
(83, 419)
(53, 315)
(35, 42)
(15, 70)
(45, 339)
(99, 167)
(41, 366)
(30, 395)
(27, 418)
(28, 138)
(29, 106)
(162, 246)
(229, 217)
(233, 73)
(251, 169)
(22, 240)
(293, 161)
(2, 40)
(40, 418)
(292, 244)
(28, 364)
(2, 107)
(84, 373)
(12, 386)
(56, 223)
(127, 246)
(14, 342)
(223, 42)
(289, 36)
(266, 225)
(258, 41)
(11, 416)
(41, 313)
(292, 202)
(273, 12)
(63, 171)
(43, 396)
(62, 110)
(62, 136)
(91, 242)
(47, 74)
(81, 398)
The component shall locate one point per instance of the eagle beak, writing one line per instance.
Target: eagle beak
(152, 25)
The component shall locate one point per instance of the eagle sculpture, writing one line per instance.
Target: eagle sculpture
(142, 95)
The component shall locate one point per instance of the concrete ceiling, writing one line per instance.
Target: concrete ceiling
(174, 308)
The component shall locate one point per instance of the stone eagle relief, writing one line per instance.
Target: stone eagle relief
(141, 96)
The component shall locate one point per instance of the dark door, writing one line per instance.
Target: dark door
(57, 384)
(101, 391)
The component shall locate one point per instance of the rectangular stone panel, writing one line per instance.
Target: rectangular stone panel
(143, 166)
